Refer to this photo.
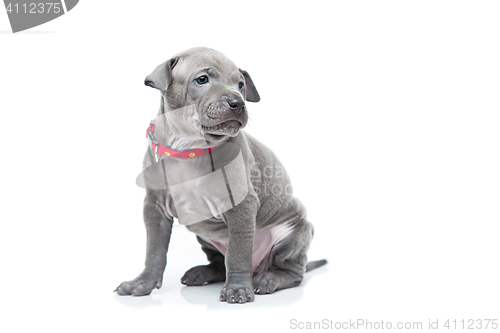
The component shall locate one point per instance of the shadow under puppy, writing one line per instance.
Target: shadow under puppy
(224, 185)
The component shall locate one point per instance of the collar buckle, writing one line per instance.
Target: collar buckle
(152, 142)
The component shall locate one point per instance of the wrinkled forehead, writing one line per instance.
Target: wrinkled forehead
(215, 64)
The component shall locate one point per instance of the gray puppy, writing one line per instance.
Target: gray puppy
(257, 240)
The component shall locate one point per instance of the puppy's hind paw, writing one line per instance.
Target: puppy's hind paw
(268, 282)
(205, 274)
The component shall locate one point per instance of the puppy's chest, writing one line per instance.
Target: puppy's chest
(205, 187)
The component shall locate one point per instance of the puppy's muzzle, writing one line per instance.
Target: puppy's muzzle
(236, 104)
(227, 107)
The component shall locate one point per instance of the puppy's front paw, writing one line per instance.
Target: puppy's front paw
(141, 285)
(237, 293)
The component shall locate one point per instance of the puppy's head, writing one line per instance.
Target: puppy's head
(213, 84)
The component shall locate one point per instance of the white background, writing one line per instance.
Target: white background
(385, 114)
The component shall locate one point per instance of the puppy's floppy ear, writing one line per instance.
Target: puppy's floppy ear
(252, 94)
(162, 75)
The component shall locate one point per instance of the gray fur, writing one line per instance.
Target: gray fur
(176, 80)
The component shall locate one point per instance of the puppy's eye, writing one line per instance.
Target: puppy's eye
(240, 86)
(202, 79)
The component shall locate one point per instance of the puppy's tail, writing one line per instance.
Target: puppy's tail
(315, 264)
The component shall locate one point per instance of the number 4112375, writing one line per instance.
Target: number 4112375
(472, 324)
(34, 8)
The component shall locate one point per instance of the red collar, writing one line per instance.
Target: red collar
(159, 150)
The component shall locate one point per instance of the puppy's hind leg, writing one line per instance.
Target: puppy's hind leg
(288, 261)
(215, 271)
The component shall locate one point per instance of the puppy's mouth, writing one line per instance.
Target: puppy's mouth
(222, 131)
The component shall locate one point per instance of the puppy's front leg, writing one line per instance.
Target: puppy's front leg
(158, 229)
(241, 223)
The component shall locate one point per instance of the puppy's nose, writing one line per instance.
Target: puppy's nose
(236, 104)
